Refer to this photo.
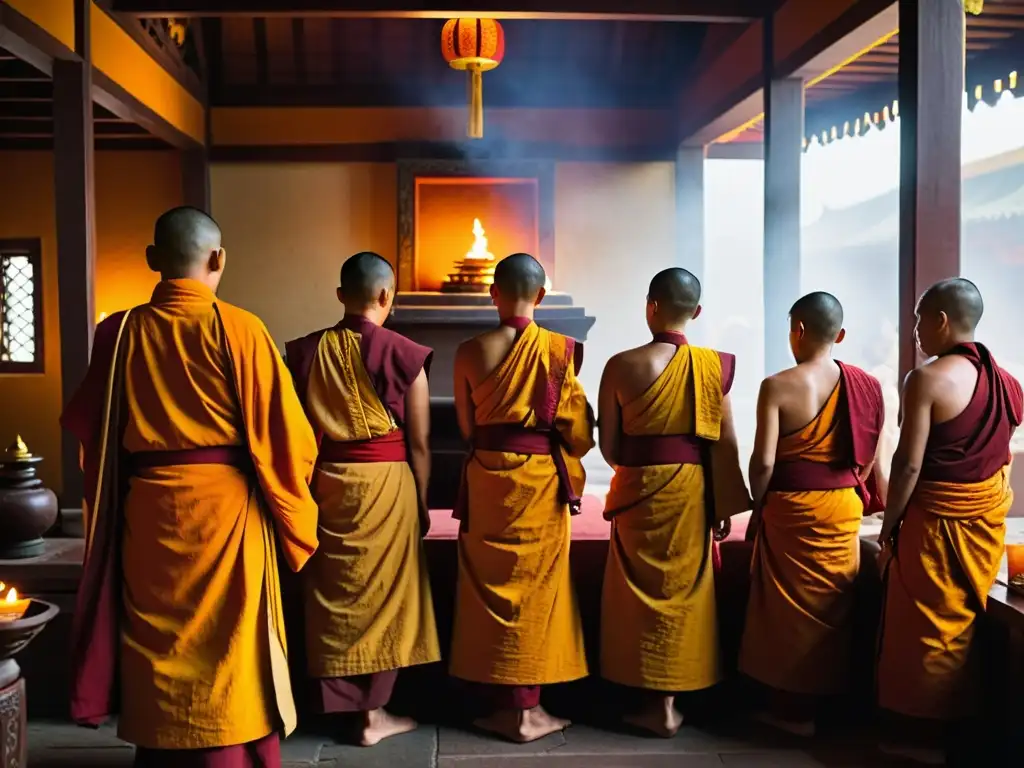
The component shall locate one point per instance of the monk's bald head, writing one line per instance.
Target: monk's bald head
(519, 277)
(676, 292)
(365, 277)
(820, 314)
(186, 243)
(959, 299)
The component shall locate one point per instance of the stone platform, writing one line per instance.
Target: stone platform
(736, 745)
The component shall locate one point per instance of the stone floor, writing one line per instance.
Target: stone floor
(53, 745)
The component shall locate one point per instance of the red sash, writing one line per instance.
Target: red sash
(389, 447)
(229, 455)
(652, 450)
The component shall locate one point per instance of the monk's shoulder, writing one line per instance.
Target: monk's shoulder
(621, 364)
(785, 379)
(629, 357)
(931, 380)
(865, 378)
(404, 344)
(304, 346)
(110, 326)
(243, 326)
(472, 350)
(309, 337)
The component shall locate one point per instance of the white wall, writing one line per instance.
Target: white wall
(287, 229)
(614, 229)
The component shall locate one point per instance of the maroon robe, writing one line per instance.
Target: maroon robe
(392, 362)
(971, 447)
(863, 410)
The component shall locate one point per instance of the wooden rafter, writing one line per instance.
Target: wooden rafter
(737, 11)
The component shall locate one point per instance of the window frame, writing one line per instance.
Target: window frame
(31, 247)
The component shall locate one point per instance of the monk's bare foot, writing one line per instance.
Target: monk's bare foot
(522, 726)
(803, 728)
(659, 717)
(915, 754)
(379, 724)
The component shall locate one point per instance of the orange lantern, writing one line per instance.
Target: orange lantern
(475, 45)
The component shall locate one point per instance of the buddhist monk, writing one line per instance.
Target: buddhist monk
(665, 419)
(942, 534)
(368, 605)
(197, 458)
(818, 429)
(523, 411)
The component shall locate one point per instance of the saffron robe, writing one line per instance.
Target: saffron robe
(368, 604)
(948, 553)
(798, 632)
(517, 621)
(659, 628)
(178, 625)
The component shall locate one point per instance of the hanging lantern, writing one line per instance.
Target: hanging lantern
(475, 45)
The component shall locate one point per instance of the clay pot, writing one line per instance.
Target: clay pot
(27, 509)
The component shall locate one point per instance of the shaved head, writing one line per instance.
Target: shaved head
(821, 315)
(363, 278)
(519, 276)
(959, 299)
(677, 293)
(184, 239)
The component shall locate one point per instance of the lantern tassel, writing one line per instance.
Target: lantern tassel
(476, 102)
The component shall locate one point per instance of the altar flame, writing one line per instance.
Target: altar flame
(479, 249)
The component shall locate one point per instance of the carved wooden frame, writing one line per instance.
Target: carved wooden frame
(32, 248)
(409, 170)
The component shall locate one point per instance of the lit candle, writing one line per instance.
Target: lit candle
(12, 607)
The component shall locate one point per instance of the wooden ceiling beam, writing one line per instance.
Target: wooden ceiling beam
(1002, 9)
(721, 11)
(988, 22)
(988, 34)
(26, 110)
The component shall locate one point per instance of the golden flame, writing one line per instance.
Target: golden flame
(12, 596)
(479, 249)
(101, 318)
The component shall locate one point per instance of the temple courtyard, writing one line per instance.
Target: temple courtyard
(53, 745)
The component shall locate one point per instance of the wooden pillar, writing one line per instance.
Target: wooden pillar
(783, 153)
(195, 178)
(76, 244)
(690, 209)
(931, 87)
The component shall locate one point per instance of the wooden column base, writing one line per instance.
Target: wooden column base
(13, 726)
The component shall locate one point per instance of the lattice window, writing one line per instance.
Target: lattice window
(21, 328)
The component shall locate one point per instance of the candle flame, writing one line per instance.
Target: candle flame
(479, 249)
(12, 596)
(102, 317)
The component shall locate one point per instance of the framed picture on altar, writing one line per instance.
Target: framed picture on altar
(450, 209)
